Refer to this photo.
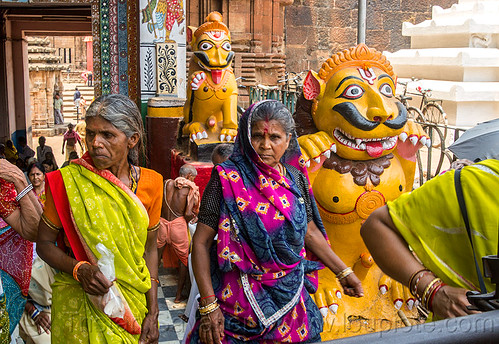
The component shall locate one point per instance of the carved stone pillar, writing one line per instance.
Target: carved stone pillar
(163, 77)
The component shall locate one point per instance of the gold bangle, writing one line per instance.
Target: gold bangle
(430, 292)
(344, 273)
(206, 312)
(155, 280)
(153, 228)
(209, 308)
(77, 266)
(50, 224)
(432, 283)
(209, 305)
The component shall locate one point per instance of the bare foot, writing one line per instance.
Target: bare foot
(179, 299)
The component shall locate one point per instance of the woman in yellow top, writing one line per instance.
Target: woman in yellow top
(429, 220)
(11, 152)
(104, 197)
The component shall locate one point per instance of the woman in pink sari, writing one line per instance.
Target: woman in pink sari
(270, 244)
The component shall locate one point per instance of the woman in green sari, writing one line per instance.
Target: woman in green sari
(429, 220)
(104, 198)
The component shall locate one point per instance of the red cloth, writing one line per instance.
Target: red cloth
(193, 196)
(61, 202)
(16, 253)
(174, 235)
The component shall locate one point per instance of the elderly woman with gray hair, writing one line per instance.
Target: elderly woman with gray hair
(255, 284)
(104, 205)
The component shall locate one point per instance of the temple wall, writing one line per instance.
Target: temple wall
(75, 49)
(314, 29)
(257, 31)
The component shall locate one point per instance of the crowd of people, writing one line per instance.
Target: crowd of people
(101, 224)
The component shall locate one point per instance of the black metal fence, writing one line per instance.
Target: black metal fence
(288, 98)
(437, 158)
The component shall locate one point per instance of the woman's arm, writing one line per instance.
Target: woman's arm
(90, 277)
(315, 242)
(63, 142)
(211, 329)
(150, 332)
(391, 253)
(387, 246)
(188, 213)
(25, 219)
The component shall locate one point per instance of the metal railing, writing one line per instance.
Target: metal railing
(261, 92)
(434, 160)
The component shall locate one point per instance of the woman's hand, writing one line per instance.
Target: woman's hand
(352, 286)
(211, 328)
(42, 322)
(450, 302)
(11, 173)
(150, 331)
(92, 280)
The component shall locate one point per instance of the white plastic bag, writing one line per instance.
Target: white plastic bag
(111, 303)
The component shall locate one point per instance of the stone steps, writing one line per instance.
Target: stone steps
(67, 97)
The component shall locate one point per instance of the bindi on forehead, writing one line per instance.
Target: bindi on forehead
(266, 126)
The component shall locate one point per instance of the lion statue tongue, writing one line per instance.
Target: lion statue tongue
(374, 148)
(216, 75)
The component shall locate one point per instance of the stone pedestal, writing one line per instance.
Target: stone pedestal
(456, 53)
(203, 168)
(164, 115)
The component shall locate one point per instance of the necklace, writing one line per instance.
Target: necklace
(281, 169)
(132, 180)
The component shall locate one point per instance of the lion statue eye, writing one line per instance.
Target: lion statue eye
(227, 46)
(353, 92)
(386, 90)
(205, 46)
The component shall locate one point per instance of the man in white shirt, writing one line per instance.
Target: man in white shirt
(42, 149)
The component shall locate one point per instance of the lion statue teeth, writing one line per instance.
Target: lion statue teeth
(210, 112)
(360, 149)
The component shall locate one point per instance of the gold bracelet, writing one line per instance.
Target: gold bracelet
(209, 305)
(153, 228)
(344, 273)
(77, 266)
(155, 280)
(209, 308)
(432, 283)
(430, 293)
(206, 312)
(50, 224)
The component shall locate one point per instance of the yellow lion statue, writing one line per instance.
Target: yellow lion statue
(210, 111)
(360, 149)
